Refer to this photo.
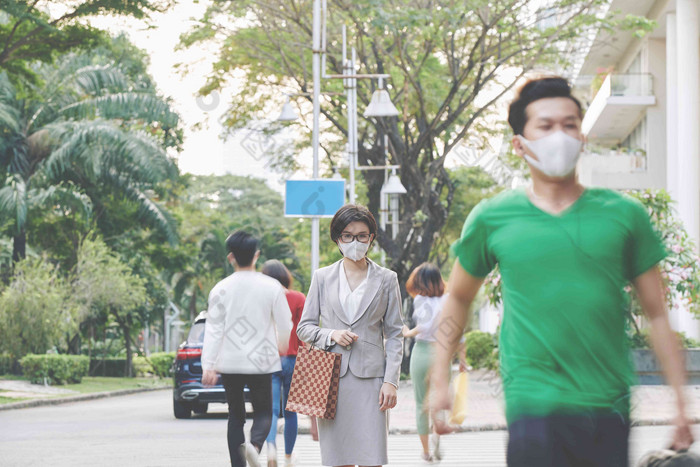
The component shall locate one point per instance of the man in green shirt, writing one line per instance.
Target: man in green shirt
(565, 253)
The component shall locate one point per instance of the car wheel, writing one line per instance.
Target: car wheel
(200, 408)
(181, 409)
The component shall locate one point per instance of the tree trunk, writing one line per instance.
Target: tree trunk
(19, 246)
(126, 331)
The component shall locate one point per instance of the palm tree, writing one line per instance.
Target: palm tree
(86, 133)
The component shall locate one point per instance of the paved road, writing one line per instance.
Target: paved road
(139, 430)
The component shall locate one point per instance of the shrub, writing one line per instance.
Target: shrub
(480, 349)
(162, 363)
(141, 366)
(642, 340)
(54, 368)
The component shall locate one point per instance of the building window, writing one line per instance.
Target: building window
(637, 139)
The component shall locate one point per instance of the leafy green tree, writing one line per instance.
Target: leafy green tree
(36, 314)
(105, 286)
(449, 62)
(209, 209)
(87, 138)
(28, 34)
(473, 185)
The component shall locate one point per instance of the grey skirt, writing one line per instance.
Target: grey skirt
(358, 434)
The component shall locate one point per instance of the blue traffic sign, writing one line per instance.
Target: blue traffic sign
(313, 198)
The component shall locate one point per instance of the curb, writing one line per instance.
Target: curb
(79, 398)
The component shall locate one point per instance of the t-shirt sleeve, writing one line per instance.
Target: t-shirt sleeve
(472, 248)
(646, 248)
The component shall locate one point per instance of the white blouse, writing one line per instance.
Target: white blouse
(425, 313)
(350, 299)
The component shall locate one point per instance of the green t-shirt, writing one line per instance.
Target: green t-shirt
(562, 342)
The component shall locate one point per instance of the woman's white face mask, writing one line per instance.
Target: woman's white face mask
(558, 154)
(354, 250)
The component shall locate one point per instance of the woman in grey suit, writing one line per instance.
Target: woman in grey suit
(354, 307)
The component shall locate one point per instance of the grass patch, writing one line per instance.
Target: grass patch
(92, 384)
(9, 400)
(14, 377)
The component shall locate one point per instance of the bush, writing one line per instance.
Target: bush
(141, 366)
(642, 340)
(8, 364)
(108, 367)
(54, 368)
(480, 349)
(162, 363)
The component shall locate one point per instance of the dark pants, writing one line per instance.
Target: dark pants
(569, 441)
(260, 387)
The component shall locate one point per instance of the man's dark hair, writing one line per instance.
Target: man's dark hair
(352, 213)
(243, 246)
(277, 270)
(534, 90)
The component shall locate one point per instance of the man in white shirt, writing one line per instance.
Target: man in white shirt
(241, 344)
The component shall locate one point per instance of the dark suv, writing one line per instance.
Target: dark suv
(189, 394)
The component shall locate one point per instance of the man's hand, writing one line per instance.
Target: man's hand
(682, 436)
(440, 404)
(209, 378)
(387, 397)
(343, 338)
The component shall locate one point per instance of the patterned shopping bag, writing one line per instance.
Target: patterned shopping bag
(314, 389)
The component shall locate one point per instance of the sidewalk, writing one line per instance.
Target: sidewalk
(651, 405)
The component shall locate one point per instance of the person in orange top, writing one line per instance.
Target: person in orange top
(282, 380)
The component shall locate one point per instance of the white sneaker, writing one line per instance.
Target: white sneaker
(251, 454)
(290, 461)
(435, 447)
(426, 458)
(271, 455)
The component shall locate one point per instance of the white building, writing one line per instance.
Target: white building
(648, 106)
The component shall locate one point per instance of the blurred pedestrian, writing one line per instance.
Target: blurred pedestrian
(354, 307)
(565, 252)
(281, 380)
(240, 343)
(426, 286)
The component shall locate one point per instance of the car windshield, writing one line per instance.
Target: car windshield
(196, 335)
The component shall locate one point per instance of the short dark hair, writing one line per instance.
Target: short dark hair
(426, 280)
(533, 90)
(277, 270)
(243, 247)
(352, 213)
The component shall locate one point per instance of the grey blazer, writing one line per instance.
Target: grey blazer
(378, 350)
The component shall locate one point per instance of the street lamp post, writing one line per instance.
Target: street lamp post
(380, 106)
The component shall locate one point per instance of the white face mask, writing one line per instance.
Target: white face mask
(354, 250)
(558, 154)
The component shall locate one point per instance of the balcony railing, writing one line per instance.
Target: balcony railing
(618, 104)
(615, 160)
(637, 84)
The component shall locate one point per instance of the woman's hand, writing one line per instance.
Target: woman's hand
(387, 397)
(405, 331)
(343, 338)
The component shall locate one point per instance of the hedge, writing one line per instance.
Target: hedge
(162, 363)
(54, 368)
(480, 350)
